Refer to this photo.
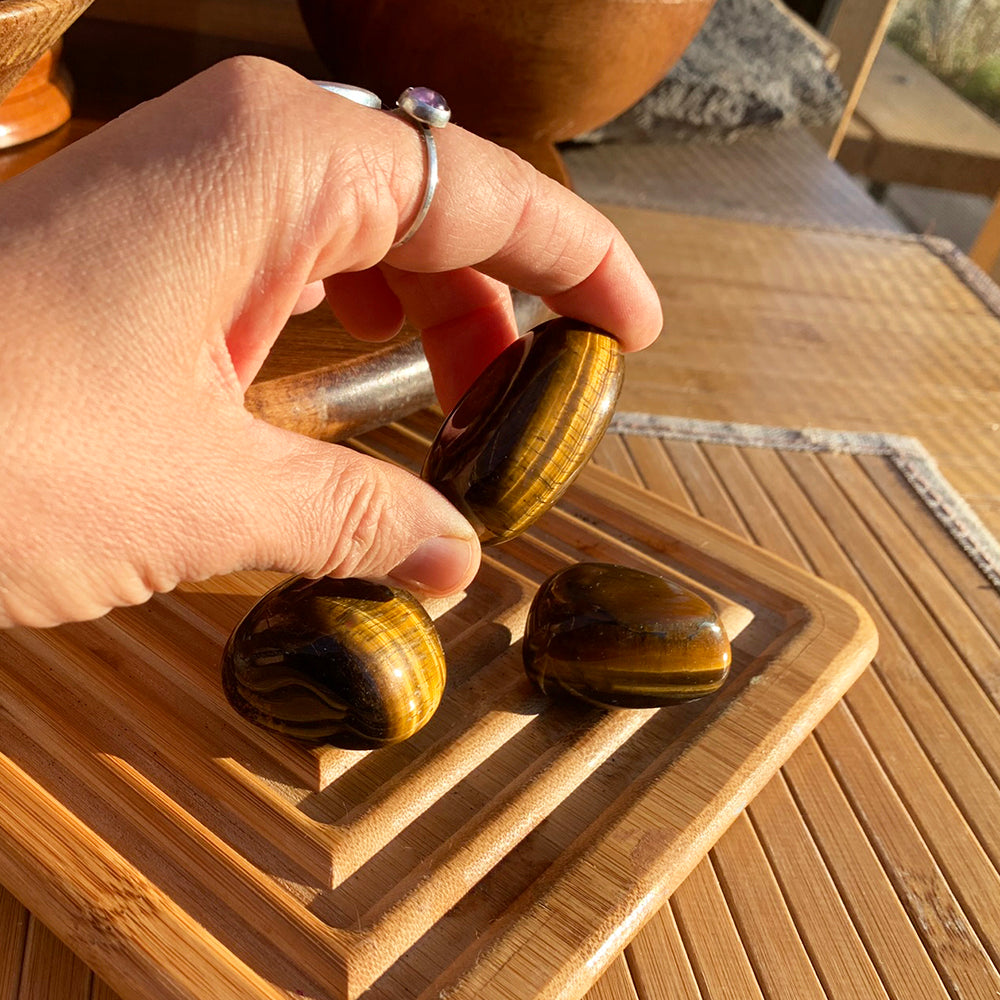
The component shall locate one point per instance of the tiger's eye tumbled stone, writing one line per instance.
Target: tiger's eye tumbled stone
(620, 638)
(526, 427)
(355, 664)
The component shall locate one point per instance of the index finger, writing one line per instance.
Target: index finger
(495, 212)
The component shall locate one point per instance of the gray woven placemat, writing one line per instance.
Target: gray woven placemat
(750, 67)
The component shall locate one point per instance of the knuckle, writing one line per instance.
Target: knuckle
(249, 82)
(517, 187)
(358, 512)
(50, 609)
(246, 97)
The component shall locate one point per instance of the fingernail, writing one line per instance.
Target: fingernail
(438, 566)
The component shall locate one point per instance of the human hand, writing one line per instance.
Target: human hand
(147, 271)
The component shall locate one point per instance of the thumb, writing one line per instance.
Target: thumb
(322, 509)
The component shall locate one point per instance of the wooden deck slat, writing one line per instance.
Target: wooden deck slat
(943, 634)
(754, 897)
(837, 951)
(720, 962)
(614, 456)
(954, 592)
(710, 498)
(658, 961)
(615, 984)
(985, 875)
(957, 834)
(837, 518)
(100, 990)
(882, 922)
(924, 132)
(14, 919)
(949, 935)
(51, 970)
(762, 520)
(839, 959)
(903, 666)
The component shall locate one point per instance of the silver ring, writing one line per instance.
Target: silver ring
(426, 110)
(423, 108)
(356, 94)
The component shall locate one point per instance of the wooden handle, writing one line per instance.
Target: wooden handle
(350, 397)
(360, 393)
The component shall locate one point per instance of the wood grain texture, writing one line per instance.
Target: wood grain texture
(986, 249)
(564, 66)
(886, 876)
(341, 874)
(817, 327)
(50, 970)
(856, 30)
(615, 984)
(923, 132)
(28, 29)
(777, 326)
(873, 851)
(13, 937)
(349, 396)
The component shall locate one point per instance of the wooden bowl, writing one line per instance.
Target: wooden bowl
(38, 104)
(525, 73)
(34, 95)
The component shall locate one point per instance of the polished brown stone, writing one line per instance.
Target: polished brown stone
(526, 427)
(346, 662)
(617, 637)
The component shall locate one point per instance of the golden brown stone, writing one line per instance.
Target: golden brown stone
(526, 427)
(618, 637)
(347, 662)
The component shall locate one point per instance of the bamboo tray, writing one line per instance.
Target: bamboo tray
(509, 850)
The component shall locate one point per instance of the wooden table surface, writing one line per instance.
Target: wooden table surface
(868, 867)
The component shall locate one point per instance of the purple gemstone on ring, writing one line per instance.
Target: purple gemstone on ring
(424, 105)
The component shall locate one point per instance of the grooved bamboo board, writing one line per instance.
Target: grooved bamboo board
(510, 849)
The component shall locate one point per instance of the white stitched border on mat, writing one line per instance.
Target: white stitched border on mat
(907, 454)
